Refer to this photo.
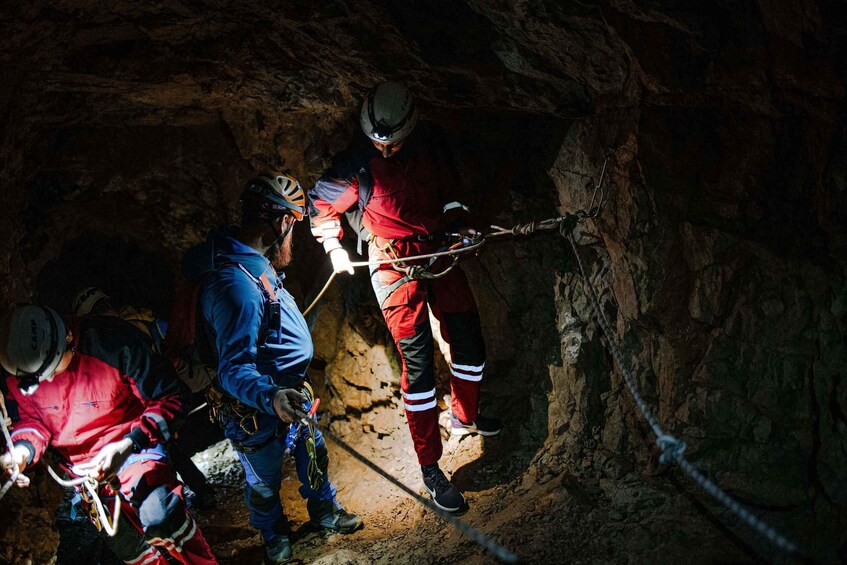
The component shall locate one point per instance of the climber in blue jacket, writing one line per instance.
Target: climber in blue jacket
(263, 348)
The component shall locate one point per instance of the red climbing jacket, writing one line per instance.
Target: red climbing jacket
(413, 193)
(114, 387)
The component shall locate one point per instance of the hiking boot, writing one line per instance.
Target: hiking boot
(482, 426)
(444, 494)
(339, 520)
(278, 550)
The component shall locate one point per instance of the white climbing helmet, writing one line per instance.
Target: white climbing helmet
(33, 340)
(388, 113)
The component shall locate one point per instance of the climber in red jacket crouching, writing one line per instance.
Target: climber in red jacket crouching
(94, 391)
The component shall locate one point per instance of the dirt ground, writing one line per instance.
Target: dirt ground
(544, 519)
(543, 516)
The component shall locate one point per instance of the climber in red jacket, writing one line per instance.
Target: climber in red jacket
(400, 175)
(95, 392)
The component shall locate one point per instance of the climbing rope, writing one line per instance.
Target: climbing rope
(3, 417)
(672, 449)
(580, 216)
(320, 294)
(496, 549)
(454, 252)
(100, 516)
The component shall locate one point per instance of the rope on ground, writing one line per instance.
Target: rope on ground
(673, 450)
(496, 549)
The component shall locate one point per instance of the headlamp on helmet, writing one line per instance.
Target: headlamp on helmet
(33, 340)
(388, 113)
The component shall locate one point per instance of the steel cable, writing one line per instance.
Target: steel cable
(673, 450)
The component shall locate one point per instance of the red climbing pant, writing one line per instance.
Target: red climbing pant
(404, 304)
(153, 518)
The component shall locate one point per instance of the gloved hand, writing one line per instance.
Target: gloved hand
(108, 461)
(8, 464)
(285, 401)
(340, 261)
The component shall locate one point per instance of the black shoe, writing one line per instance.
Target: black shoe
(278, 550)
(482, 426)
(339, 520)
(444, 494)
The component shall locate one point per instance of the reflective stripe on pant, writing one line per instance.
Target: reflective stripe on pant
(128, 543)
(157, 508)
(263, 470)
(405, 312)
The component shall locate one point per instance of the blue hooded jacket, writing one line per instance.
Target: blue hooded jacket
(256, 356)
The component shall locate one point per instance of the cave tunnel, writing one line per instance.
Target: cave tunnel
(712, 134)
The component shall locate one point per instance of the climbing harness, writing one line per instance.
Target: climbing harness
(88, 488)
(466, 244)
(224, 408)
(99, 515)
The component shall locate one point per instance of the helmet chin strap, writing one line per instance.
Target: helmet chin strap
(280, 237)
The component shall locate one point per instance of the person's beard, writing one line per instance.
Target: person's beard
(284, 252)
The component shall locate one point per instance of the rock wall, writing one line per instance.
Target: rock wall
(127, 129)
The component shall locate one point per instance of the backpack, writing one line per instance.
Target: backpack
(187, 342)
(152, 327)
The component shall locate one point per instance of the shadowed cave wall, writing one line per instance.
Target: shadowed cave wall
(128, 130)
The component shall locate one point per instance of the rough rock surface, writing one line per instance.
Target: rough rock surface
(127, 129)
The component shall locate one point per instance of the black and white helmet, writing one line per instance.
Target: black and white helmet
(388, 113)
(32, 343)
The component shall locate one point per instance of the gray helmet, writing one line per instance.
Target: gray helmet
(32, 342)
(388, 113)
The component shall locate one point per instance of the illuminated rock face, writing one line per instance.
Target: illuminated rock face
(127, 132)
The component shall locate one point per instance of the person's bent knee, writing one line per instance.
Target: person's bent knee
(263, 498)
(161, 514)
